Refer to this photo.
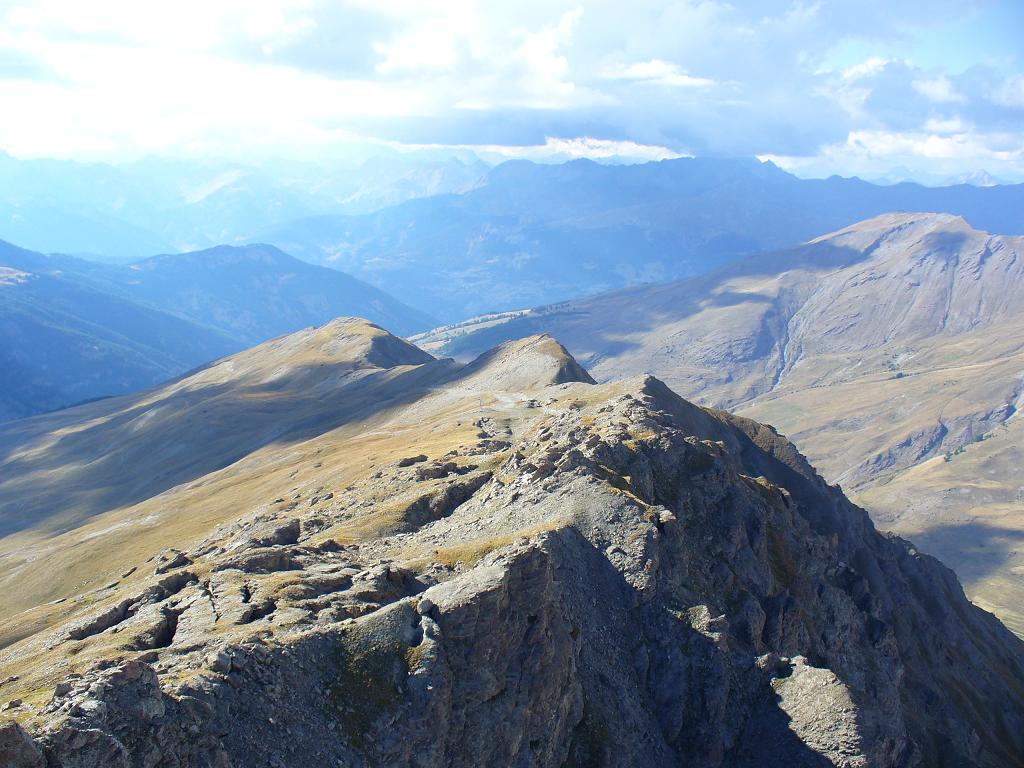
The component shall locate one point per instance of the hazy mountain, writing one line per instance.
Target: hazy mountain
(889, 346)
(535, 234)
(979, 178)
(335, 549)
(75, 329)
(63, 341)
(123, 212)
(255, 292)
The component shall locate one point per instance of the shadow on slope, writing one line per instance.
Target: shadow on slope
(671, 704)
(112, 459)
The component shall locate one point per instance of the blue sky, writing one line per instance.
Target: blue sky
(930, 88)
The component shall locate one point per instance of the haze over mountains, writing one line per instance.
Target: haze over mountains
(888, 351)
(536, 234)
(126, 212)
(334, 548)
(74, 330)
(519, 234)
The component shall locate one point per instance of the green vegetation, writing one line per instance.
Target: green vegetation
(948, 456)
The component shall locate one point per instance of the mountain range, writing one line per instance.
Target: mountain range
(74, 330)
(333, 548)
(532, 234)
(124, 212)
(891, 351)
(452, 236)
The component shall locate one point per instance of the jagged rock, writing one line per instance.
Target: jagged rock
(219, 662)
(409, 461)
(434, 471)
(170, 560)
(17, 750)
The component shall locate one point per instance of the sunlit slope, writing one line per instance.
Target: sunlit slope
(268, 429)
(967, 507)
(99, 465)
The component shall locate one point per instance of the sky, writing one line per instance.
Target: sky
(878, 88)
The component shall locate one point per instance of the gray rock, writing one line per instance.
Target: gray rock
(425, 606)
(17, 750)
(219, 662)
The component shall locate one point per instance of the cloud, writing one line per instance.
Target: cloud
(793, 79)
(659, 72)
(19, 66)
(869, 68)
(1011, 93)
(940, 125)
(873, 153)
(939, 90)
(557, 150)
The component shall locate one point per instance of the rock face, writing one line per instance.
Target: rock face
(601, 575)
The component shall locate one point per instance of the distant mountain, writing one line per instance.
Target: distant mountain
(122, 212)
(981, 178)
(891, 352)
(63, 341)
(75, 329)
(255, 292)
(536, 234)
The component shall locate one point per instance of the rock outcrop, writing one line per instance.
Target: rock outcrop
(596, 575)
(889, 351)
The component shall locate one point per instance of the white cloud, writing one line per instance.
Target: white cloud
(939, 90)
(873, 153)
(946, 125)
(660, 72)
(1011, 93)
(868, 68)
(558, 150)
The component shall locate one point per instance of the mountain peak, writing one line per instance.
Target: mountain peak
(382, 348)
(526, 363)
(907, 228)
(349, 342)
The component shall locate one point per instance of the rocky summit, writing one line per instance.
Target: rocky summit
(370, 557)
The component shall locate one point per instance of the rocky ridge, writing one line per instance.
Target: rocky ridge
(890, 351)
(590, 575)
